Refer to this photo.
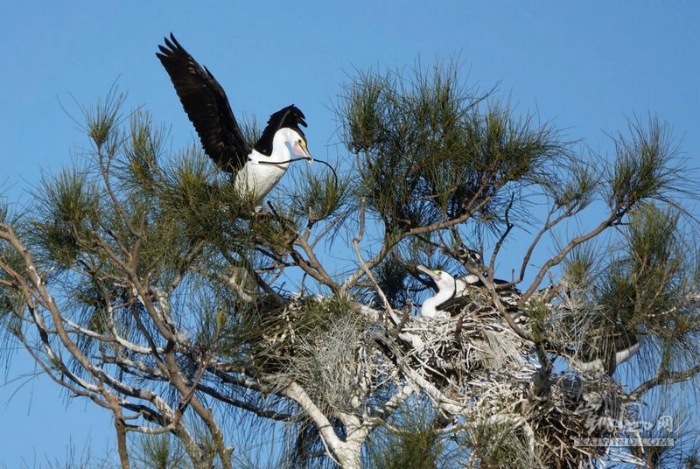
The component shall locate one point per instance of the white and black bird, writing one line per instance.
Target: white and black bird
(255, 171)
(447, 288)
(602, 352)
(450, 287)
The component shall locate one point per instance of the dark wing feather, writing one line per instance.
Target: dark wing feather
(205, 103)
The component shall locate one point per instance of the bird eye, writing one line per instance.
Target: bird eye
(302, 142)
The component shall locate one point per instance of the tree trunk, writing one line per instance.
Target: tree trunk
(349, 457)
(121, 441)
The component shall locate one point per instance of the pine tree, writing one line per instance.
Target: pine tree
(143, 282)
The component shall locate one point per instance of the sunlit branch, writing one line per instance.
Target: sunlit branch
(553, 261)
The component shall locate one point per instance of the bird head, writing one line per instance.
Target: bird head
(443, 281)
(470, 258)
(285, 125)
(297, 144)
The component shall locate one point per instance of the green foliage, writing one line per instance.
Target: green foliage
(644, 167)
(417, 449)
(655, 249)
(411, 440)
(640, 289)
(69, 214)
(12, 304)
(391, 276)
(102, 120)
(193, 210)
(500, 444)
(645, 281)
(428, 153)
(140, 170)
(159, 452)
(579, 267)
(318, 198)
(538, 313)
(576, 189)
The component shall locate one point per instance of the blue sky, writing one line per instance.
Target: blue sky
(583, 66)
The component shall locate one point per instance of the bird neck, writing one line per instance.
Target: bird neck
(281, 154)
(430, 305)
(281, 149)
(429, 308)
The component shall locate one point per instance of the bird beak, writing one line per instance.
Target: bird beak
(300, 150)
(427, 272)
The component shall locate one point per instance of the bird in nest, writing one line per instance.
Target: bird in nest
(449, 287)
(603, 350)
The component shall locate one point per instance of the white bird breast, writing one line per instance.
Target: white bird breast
(258, 179)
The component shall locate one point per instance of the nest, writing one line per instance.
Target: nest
(499, 396)
(476, 359)
(317, 342)
(457, 348)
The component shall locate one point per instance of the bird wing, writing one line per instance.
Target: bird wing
(207, 106)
